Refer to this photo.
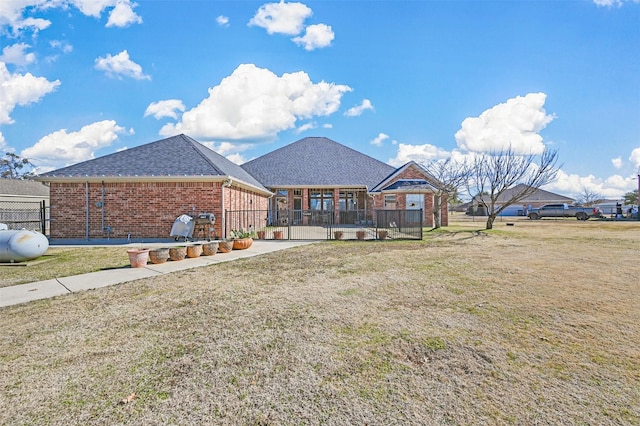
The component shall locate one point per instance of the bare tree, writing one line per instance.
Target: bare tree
(507, 177)
(11, 167)
(450, 176)
(589, 197)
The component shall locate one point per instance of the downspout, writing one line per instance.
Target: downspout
(226, 184)
(102, 207)
(86, 196)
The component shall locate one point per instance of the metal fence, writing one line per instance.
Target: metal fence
(317, 225)
(31, 215)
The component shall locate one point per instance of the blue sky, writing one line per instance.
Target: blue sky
(397, 80)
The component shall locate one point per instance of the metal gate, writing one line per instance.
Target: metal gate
(322, 225)
(31, 215)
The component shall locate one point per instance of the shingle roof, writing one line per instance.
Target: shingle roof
(23, 187)
(538, 196)
(430, 182)
(317, 161)
(171, 157)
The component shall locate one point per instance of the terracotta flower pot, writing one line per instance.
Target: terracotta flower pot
(337, 235)
(278, 235)
(242, 243)
(194, 250)
(382, 234)
(138, 257)
(177, 253)
(360, 235)
(261, 234)
(225, 246)
(209, 249)
(159, 255)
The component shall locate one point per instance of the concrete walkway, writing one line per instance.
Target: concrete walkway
(24, 293)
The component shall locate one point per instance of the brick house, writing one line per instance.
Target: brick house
(139, 192)
(335, 183)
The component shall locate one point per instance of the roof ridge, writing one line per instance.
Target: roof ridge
(198, 147)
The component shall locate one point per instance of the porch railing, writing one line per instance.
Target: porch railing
(321, 225)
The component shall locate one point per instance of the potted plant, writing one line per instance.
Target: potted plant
(337, 235)
(159, 255)
(138, 257)
(382, 234)
(262, 234)
(225, 246)
(194, 250)
(178, 253)
(360, 234)
(210, 248)
(278, 235)
(242, 239)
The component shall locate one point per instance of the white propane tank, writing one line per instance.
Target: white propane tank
(18, 246)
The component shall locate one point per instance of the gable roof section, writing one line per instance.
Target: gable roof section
(391, 182)
(177, 156)
(317, 162)
(23, 187)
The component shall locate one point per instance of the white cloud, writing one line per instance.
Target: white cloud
(62, 45)
(359, 109)
(419, 153)
(3, 143)
(617, 162)
(12, 12)
(11, 16)
(514, 124)
(16, 54)
(232, 151)
(20, 89)
(123, 15)
(377, 141)
(281, 18)
(223, 21)
(167, 108)
(305, 127)
(60, 148)
(315, 37)
(611, 3)
(573, 185)
(635, 157)
(120, 65)
(255, 103)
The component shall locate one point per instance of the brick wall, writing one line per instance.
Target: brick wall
(414, 173)
(138, 209)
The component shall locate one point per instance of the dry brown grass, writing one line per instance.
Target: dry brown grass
(532, 324)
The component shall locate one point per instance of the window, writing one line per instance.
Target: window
(321, 200)
(348, 200)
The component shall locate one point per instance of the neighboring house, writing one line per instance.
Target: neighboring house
(23, 190)
(322, 181)
(23, 204)
(537, 199)
(139, 192)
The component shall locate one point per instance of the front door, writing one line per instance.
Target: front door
(415, 203)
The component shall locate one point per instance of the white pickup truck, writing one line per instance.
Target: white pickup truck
(564, 210)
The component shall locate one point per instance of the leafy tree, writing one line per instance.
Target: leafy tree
(631, 198)
(451, 176)
(13, 166)
(508, 177)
